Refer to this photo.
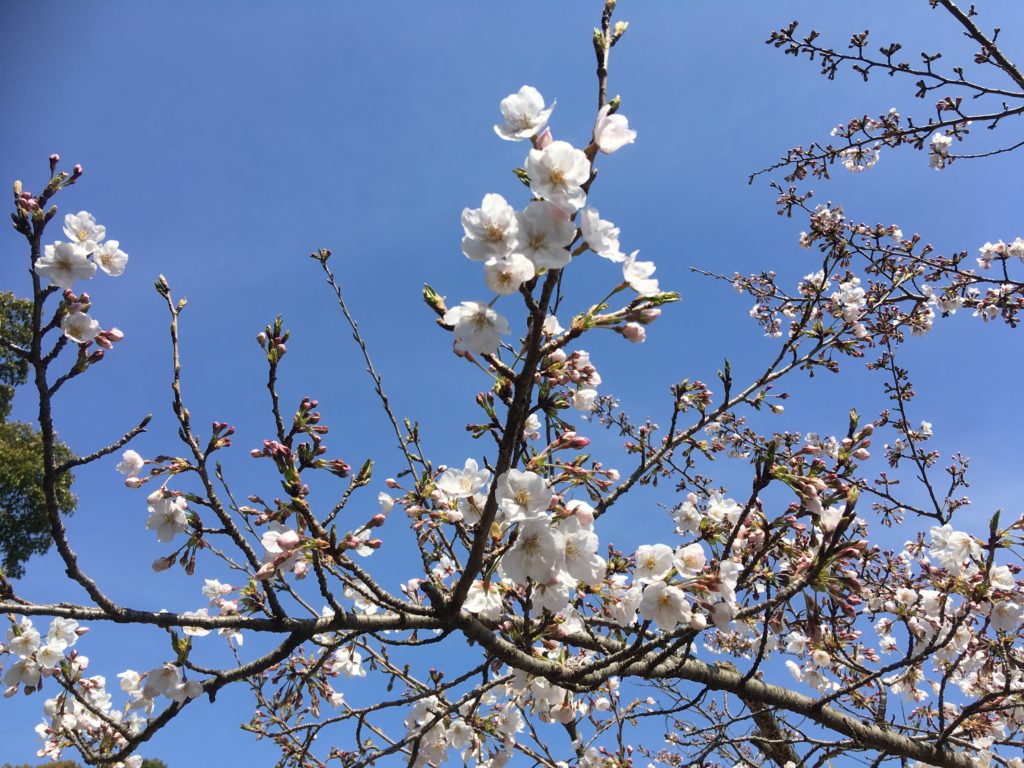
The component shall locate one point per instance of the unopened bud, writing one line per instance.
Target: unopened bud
(861, 454)
(556, 357)
(163, 563)
(544, 139)
(634, 332)
(647, 316)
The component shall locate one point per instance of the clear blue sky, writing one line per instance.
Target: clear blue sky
(224, 141)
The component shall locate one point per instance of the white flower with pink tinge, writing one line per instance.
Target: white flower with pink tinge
(79, 327)
(538, 554)
(491, 230)
(524, 113)
(602, 237)
(637, 275)
(64, 263)
(544, 233)
(478, 328)
(82, 229)
(166, 515)
(523, 496)
(282, 550)
(612, 132)
(666, 606)
(465, 482)
(557, 174)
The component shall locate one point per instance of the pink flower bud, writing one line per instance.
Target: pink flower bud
(861, 454)
(377, 520)
(103, 341)
(288, 540)
(543, 139)
(556, 357)
(54, 158)
(265, 571)
(114, 334)
(634, 332)
(647, 316)
(163, 563)
(134, 482)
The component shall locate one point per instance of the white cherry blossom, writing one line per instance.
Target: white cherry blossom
(653, 562)
(537, 553)
(638, 275)
(665, 605)
(110, 258)
(523, 496)
(602, 237)
(581, 558)
(689, 561)
(82, 229)
(465, 482)
(79, 327)
(131, 463)
(491, 230)
(349, 662)
(478, 328)
(584, 399)
(612, 132)
(545, 232)
(524, 113)
(507, 274)
(484, 599)
(167, 516)
(557, 174)
(64, 263)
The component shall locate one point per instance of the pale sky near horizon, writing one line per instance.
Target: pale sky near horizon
(223, 142)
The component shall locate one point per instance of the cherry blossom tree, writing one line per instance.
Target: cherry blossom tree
(770, 628)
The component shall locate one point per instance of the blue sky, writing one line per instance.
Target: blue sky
(223, 142)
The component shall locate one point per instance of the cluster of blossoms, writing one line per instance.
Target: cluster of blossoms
(63, 263)
(1000, 251)
(515, 246)
(84, 709)
(938, 156)
(857, 159)
(38, 655)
